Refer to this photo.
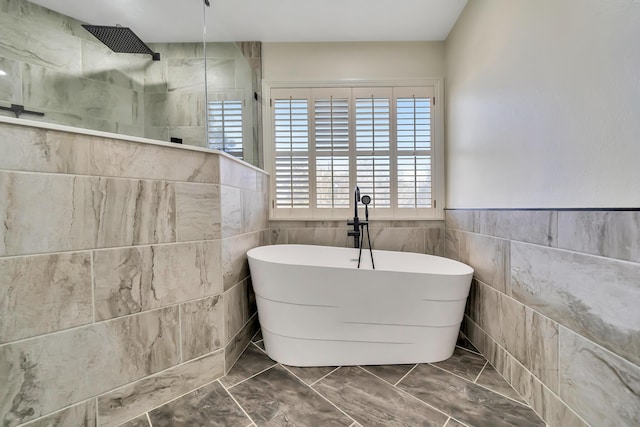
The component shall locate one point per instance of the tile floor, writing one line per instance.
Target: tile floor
(464, 390)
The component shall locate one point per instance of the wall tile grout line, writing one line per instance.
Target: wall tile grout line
(180, 350)
(509, 380)
(148, 411)
(93, 288)
(149, 419)
(114, 319)
(486, 388)
(546, 246)
(110, 248)
(130, 178)
(610, 352)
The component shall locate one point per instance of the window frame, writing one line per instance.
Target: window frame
(436, 212)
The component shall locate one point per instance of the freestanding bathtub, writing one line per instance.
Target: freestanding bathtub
(317, 309)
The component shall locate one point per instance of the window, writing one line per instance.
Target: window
(325, 141)
(225, 126)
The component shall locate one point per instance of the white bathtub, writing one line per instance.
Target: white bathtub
(317, 309)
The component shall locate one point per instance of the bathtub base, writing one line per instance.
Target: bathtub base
(437, 344)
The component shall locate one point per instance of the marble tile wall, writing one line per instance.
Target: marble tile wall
(122, 285)
(75, 80)
(67, 73)
(174, 98)
(406, 236)
(552, 307)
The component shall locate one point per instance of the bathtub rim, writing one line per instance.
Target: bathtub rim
(465, 269)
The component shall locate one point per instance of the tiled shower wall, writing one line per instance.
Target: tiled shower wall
(406, 236)
(123, 276)
(553, 306)
(55, 66)
(174, 97)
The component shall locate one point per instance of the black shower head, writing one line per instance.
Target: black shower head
(121, 40)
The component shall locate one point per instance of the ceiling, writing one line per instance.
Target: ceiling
(270, 20)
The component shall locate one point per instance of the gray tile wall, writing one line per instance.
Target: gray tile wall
(553, 307)
(55, 66)
(400, 235)
(174, 98)
(118, 289)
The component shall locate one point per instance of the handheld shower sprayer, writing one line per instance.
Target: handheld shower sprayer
(356, 196)
(365, 201)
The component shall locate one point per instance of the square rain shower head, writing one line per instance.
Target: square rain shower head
(121, 40)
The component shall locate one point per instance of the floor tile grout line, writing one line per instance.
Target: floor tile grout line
(456, 420)
(446, 422)
(323, 397)
(476, 351)
(149, 419)
(486, 362)
(417, 398)
(452, 373)
(485, 387)
(259, 348)
(255, 335)
(378, 377)
(247, 379)
(405, 375)
(523, 403)
(404, 392)
(323, 377)
(471, 351)
(237, 403)
(508, 382)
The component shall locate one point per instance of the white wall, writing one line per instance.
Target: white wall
(543, 104)
(352, 61)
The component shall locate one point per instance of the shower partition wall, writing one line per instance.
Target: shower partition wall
(75, 80)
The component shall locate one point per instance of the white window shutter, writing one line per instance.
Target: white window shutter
(291, 117)
(373, 143)
(414, 142)
(331, 120)
(225, 126)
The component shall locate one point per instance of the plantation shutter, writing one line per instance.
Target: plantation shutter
(373, 143)
(414, 147)
(327, 140)
(225, 126)
(291, 124)
(331, 125)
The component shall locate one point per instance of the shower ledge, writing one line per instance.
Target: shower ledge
(121, 137)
